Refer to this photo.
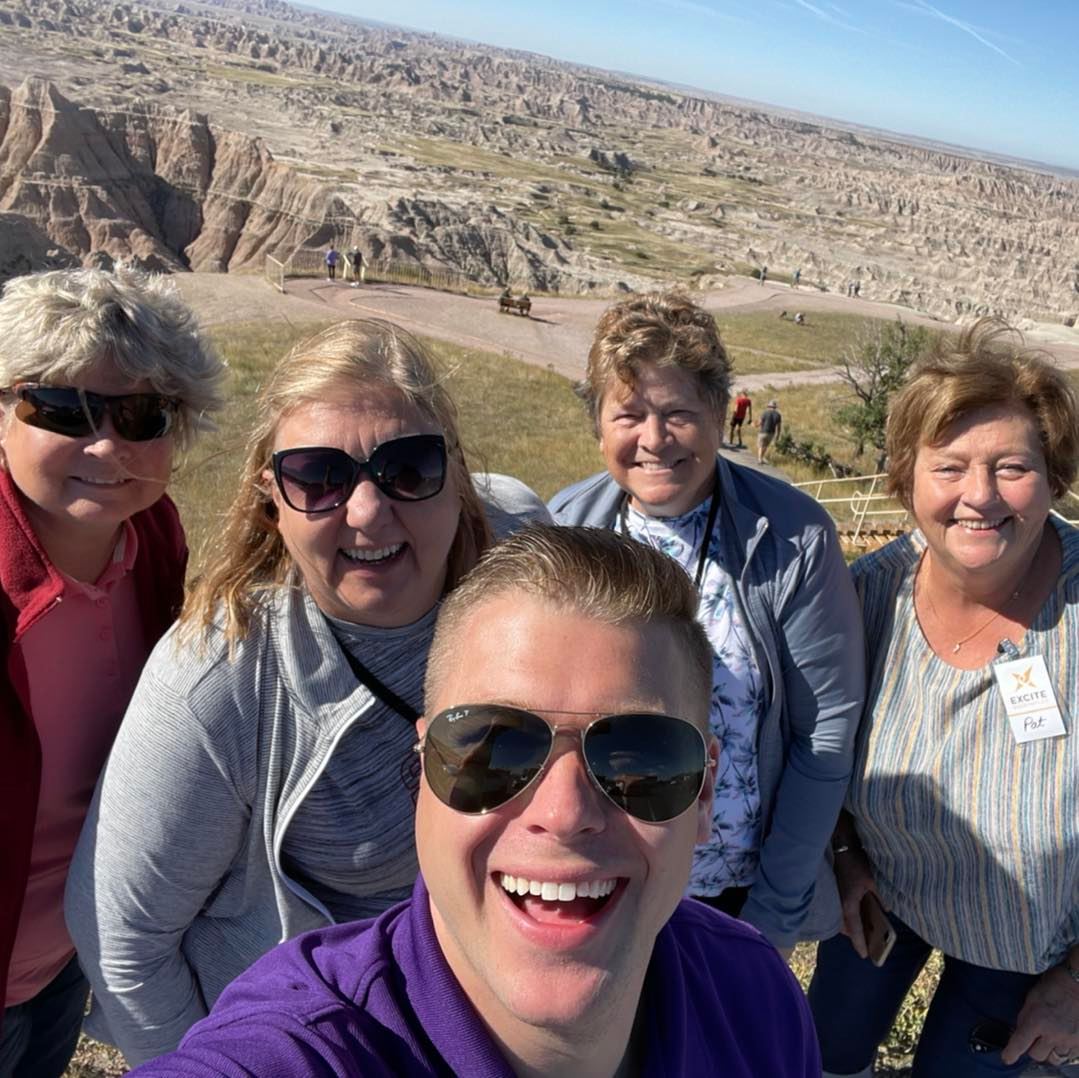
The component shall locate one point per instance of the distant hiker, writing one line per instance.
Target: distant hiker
(764, 274)
(797, 277)
(857, 289)
(331, 262)
(743, 409)
(771, 423)
(355, 265)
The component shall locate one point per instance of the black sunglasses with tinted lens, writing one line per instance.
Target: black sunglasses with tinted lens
(479, 756)
(76, 413)
(317, 479)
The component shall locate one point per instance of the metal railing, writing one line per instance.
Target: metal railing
(861, 503)
(852, 509)
(275, 272)
(309, 262)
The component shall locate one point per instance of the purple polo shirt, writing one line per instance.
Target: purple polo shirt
(376, 998)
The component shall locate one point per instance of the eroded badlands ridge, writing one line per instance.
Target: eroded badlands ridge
(511, 166)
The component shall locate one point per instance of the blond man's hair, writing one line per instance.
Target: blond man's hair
(350, 360)
(988, 366)
(662, 329)
(591, 571)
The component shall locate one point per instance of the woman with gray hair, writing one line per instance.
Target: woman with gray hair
(263, 783)
(102, 375)
(775, 599)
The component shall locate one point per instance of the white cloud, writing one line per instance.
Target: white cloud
(922, 7)
(699, 9)
(827, 17)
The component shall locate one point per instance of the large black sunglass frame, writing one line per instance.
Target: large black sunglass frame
(74, 412)
(394, 467)
(479, 757)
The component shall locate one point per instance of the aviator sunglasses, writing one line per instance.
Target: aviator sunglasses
(75, 413)
(479, 756)
(318, 478)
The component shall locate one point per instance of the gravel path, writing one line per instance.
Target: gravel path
(558, 334)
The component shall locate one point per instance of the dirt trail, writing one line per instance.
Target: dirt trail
(557, 335)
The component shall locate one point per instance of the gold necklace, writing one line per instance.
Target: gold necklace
(981, 628)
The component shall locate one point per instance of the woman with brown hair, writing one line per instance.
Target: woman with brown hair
(262, 782)
(775, 600)
(964, 807)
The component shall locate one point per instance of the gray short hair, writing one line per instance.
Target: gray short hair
(596, 572)
(55, 326)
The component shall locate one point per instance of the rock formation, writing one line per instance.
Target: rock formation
(496, 163)
(168, 190)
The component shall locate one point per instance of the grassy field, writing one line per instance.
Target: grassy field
(820, 342)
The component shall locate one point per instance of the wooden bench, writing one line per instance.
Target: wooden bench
(509, 302)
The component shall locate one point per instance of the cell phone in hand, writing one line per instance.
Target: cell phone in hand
(990, 1035)
(877, 929)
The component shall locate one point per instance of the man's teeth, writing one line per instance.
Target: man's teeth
(99, 482)
(557, 892)
(372, 555)
(980, 525)
(654, 465)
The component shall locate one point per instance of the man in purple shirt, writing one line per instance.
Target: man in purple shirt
(567, 774)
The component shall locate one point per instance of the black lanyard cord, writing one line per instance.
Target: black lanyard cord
(379, 689)
(706, 539)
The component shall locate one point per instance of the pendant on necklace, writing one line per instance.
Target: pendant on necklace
(956, 648)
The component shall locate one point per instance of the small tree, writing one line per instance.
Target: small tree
(874, 367)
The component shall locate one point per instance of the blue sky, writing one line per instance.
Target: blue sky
(988, 74)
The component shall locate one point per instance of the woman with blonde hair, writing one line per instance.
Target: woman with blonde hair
(963, 812)
(102, 377)
(263, 783)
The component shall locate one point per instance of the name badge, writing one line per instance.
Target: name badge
(1028, 698)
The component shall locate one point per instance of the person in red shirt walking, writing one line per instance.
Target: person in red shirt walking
(743, 409)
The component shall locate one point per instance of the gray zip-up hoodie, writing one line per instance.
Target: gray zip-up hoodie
(177, 885)
(780, 549)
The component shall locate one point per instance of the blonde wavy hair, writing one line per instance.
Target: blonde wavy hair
(358, 357)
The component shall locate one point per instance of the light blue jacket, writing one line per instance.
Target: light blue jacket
(780, 549)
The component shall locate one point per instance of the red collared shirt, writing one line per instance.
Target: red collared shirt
(82, 661)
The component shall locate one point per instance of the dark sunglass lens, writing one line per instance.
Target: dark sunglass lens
(412, 468)
(57, 409)
(315, 480)
(476, 759)
(141, 417)
(651, 766)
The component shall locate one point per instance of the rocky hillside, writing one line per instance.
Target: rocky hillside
(513, 166)
(166, 188)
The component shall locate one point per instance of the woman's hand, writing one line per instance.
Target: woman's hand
(854, 876)
(1048, 1025)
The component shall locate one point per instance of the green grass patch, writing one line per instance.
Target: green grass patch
(246, 74)
(821, 341)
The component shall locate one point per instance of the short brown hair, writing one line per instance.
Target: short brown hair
(988, 366)
(663, 328)
(596, 572)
